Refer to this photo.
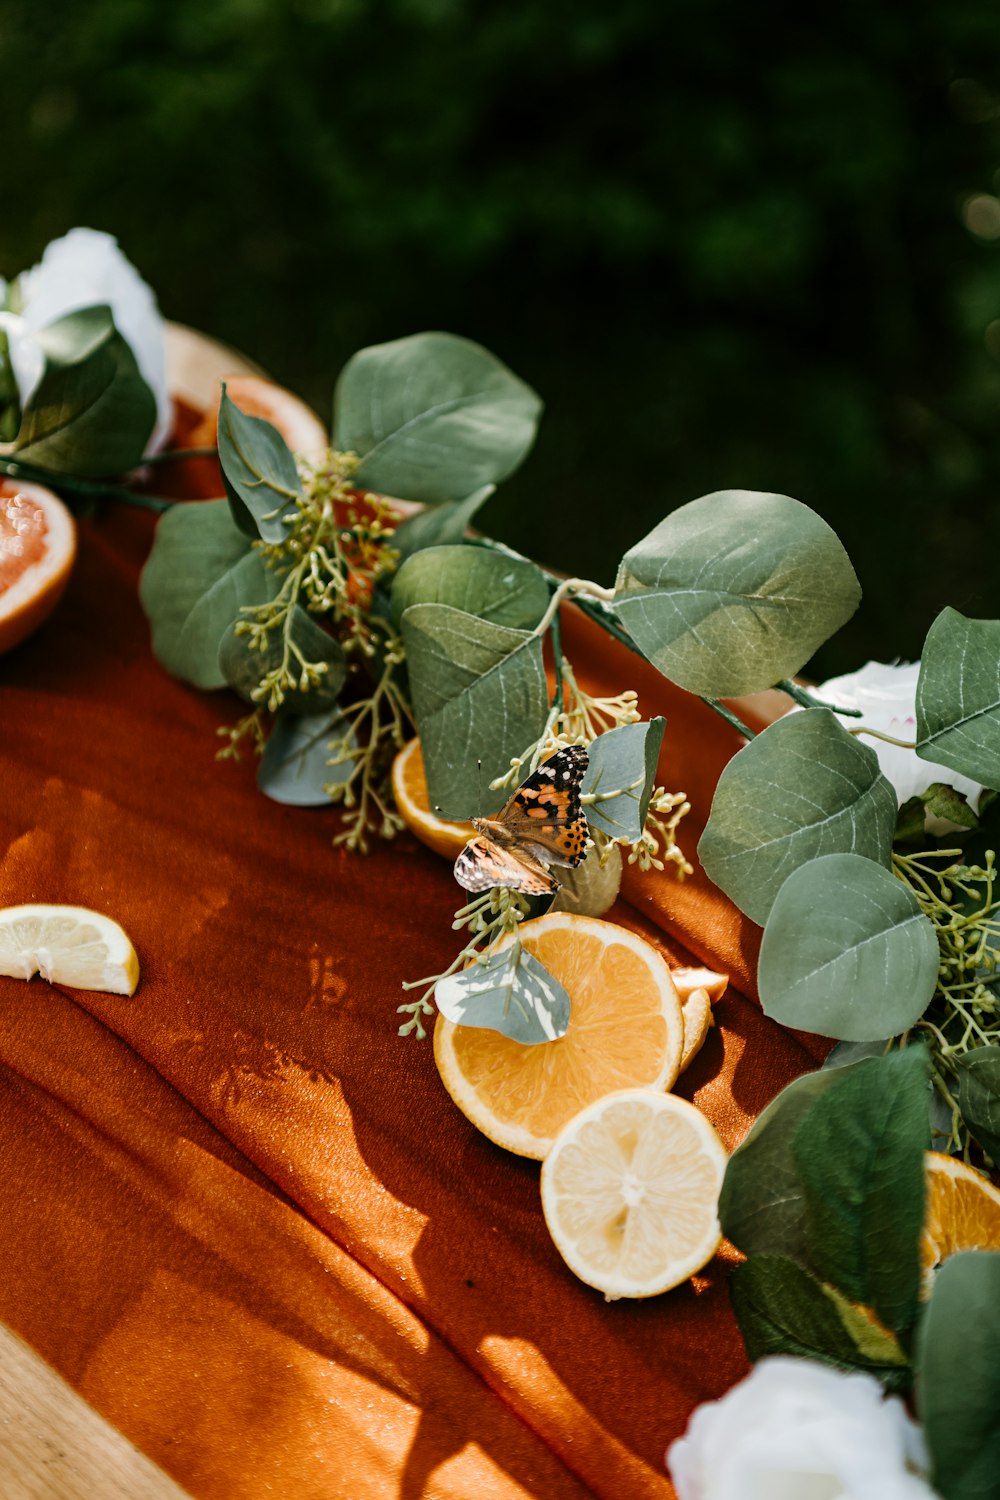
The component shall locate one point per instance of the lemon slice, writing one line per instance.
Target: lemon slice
(67, 945)
(625, 1031)
(630, 1193)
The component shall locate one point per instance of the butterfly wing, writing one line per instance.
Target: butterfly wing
(483, 864)
(544, 816)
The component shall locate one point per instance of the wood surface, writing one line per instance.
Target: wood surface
(53, 1446)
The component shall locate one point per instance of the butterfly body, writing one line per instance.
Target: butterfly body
(542, 824)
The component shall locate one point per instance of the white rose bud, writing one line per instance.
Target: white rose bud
(83, 269)
(798, 1430)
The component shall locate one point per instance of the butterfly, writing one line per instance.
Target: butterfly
(542, 824)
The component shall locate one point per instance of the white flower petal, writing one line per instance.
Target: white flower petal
(82, 269)
(798, 1430)
(886, 696)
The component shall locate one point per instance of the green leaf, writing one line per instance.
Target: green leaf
(294, 768)
(802, 788)
(761, 1206)
(244, 668)
(735, 591)
(480, 697)
(92, 413)
(261, 477)
(623, 761)
(943, 801)
(847, 952)
(509, 992)
(439, 525)
(432, 417)
(782, 1309)
(859, 1152)
(201, 572)
(492, 585)
(979, 1095)
(938, 1112)
(958, 697)
(958, 1377)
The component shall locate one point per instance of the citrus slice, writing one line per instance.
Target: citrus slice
(696, 1012)
(625, 1031)
(298, 424)
(67, 945)
(409, 787)
(37, 549)
(962, 1213)
(630, 1193)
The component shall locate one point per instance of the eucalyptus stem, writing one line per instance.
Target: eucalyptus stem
(177, 455)
(89, 489)
(806, 699)
(729, 716)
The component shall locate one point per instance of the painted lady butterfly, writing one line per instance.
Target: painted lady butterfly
(542, 824)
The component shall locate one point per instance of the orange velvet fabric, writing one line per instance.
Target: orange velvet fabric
(237, 1212)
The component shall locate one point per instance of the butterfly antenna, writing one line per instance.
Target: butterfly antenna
(479, 807)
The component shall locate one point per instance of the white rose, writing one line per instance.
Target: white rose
(798, 1430)
(83, 269)
(887, 698)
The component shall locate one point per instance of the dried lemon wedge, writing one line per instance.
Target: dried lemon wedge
(67, 945)
(630, 1193)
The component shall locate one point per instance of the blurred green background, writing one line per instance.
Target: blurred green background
(729, 245)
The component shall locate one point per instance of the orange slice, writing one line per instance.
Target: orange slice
(37, 549)
(625, 1031)
(630, 1193)
(962, 1213)
(409, 787)
(67, 945)
(298, 424)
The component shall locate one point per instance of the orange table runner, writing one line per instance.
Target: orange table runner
(237, 1212)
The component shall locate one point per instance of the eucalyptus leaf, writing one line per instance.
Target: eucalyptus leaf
(762, 1204)
(492, 585)
(294, 768)
(847, 952)
(432, 417)
(859, 1152)
(201, 572)
(439, 525)
(244, 669)
(938, 1112)
(958, 1377)
(621, 774)
(735, 591)
(91, 413)
(802, 788)
(509, 992)
(261, 477)
(480, 697)
(782, 1309)
(979, 1096)
(958, 697)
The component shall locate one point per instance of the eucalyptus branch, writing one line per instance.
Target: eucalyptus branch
(489, 920)
(806, 699)
(86, 489)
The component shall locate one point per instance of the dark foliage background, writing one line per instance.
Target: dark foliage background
(730, 246)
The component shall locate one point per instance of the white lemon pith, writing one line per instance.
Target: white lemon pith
(630, 1193)
(69, 945)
